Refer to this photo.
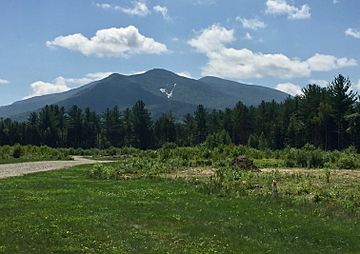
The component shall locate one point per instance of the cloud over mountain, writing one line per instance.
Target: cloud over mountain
(110, 42)
(244, 63)
(61, 84)
(289, 88)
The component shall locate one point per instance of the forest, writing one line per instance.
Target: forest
(326, 117)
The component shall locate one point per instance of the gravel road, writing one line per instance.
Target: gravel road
(17, 169)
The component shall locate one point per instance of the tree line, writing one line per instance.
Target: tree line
(327, 117)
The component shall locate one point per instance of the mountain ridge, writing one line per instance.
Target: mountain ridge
(125, 90)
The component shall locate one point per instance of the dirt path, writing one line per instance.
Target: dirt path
(17, 169)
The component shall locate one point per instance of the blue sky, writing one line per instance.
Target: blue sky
(52, 46)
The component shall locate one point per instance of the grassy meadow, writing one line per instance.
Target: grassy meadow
(150, 202)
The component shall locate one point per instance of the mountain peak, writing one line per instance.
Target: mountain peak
(124, 90)
(159, 71)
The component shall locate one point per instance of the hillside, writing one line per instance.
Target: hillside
(124, 91)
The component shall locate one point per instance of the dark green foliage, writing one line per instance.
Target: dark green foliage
(218, 139)
(165, 129)
(326, 118)
(123, 91)
(17, 151)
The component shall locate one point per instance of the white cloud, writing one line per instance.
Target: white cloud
(248, 36)
(111, 42)
(163, 10)
(319, 82)
(133, 73)
(243, 63)
(279, 7)
(289, 88)
(353, 33)
(336, 1)
(4, 81)
(138, 9)
(185, 74)
(212, 38)
(104, 5)
(320, 62)
(41, 88)
(253, 24)
(61, 84)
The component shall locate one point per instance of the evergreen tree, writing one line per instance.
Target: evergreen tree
(342, 100)
(165, 130)
(200, 124)
(142, 126)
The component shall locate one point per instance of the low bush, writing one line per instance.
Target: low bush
(32, 153)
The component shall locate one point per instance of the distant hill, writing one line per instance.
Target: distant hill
(124, 91)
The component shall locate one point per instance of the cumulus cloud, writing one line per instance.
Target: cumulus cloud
(4, 81)
(289, 88)
(138, 9)
(185, 74)
(163, 10)
(319, 82)
(320, 62)
(111, 42)
(212, 38)
(243, 63)
(282, 7)
(61, 84)
(353, 33)
(253, 24)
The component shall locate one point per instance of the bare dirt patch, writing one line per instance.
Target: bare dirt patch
(191, 173)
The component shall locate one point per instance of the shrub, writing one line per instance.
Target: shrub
(17, 151)
(217, 139)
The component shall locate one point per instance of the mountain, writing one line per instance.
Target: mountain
(124, 91)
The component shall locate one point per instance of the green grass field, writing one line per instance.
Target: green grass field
(66, 211)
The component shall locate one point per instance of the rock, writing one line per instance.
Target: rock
(244, 163)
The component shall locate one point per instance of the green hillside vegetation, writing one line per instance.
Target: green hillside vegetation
(123, 91)
(327, 118)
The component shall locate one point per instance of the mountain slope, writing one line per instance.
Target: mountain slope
(37, 102)
(124, 91)
(247, 94)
